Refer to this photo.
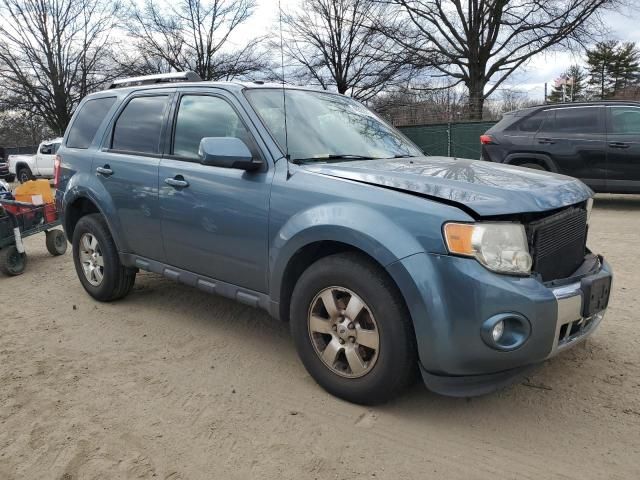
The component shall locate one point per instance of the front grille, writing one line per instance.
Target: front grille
(557, 243)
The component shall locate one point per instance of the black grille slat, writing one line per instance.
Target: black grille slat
(558, 243)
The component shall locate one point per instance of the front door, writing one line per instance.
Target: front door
(127, 166)
(623, 143)
(214, 220)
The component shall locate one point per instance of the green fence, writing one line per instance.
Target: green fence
(460, 140)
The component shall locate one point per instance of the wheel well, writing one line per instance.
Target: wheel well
(21, 165)
(303, 259)
(77, 210)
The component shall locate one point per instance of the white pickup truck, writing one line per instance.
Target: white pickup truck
(40, 165)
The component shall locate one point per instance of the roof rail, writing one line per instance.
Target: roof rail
(158, 78)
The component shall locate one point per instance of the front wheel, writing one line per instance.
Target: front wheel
(352, 330)
(97, 262)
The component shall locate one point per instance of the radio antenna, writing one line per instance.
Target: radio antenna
(284, 96)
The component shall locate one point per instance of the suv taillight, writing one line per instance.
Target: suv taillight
(56, 170)
(486, 140)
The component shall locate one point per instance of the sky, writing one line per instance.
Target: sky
(530, 79)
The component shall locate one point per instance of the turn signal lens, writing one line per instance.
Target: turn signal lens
(459, 238)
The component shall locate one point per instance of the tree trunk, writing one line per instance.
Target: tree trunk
(476, 98)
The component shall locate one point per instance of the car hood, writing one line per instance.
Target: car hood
(486, 188)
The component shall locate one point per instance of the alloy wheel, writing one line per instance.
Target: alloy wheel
(343, 332)
(91, 259)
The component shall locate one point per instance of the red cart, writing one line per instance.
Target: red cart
(19, 220)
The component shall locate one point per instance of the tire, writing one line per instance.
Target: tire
(12, 262)
(533, 166)
(106, 279)
(24, 174)
(56, 242)
(387, 370)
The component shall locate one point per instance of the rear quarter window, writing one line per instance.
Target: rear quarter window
(87, 122)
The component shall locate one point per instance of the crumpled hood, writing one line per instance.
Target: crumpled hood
(487, 188)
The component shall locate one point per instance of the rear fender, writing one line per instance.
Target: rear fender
(85, 185)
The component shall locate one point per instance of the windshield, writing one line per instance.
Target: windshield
(323, 126)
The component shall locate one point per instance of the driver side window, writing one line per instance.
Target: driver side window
(201, 116)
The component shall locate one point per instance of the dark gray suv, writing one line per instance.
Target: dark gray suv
(599, 143)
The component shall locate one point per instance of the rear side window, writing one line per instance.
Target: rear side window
(139, 125)
(88, 121)
(574, 120)
(625, 120)
(532, 123)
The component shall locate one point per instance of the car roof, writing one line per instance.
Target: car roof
(595, 103)
(232, 86)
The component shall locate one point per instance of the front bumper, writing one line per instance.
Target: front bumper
(452, 297)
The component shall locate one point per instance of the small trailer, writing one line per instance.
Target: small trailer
(19, 220)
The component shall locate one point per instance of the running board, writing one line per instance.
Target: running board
(206, 284)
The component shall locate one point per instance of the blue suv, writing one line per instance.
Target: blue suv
(308, 205)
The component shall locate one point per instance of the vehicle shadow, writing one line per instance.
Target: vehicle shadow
(271, 337)
(617, 202)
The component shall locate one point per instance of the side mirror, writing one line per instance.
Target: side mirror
(227, 152)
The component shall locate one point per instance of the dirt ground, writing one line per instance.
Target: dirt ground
(173, 383)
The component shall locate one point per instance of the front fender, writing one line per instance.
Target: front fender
(356, 225)
(85, 185)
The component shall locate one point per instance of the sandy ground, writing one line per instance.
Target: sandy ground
(173, 383)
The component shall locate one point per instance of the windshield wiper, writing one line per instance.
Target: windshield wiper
(342, 156)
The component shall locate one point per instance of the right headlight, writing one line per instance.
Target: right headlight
(501, 246)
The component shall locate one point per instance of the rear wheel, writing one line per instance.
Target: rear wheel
(12, 262)
(97, 262)
(533, 166)
(352, 330)
(24, 174)
(56, 242)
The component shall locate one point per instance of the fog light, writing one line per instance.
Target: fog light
(497, 331)
(505, 331)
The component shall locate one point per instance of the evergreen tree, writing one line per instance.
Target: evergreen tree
(570, 87)
(612, 67)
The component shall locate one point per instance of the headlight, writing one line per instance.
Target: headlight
(501, 247)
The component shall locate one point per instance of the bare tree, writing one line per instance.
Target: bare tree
(192, 35)
(480, 43)
(332, 42)
(52, 53)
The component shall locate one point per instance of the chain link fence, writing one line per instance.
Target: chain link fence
(450, 139)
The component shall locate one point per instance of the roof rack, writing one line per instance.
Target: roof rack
(158, 78)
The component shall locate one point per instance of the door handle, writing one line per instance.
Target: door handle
(177, 182)
(545, 141)
(106, 171)
(619, 145)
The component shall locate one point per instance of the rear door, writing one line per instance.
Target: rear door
(623, 143)
(575, 139)
(127, 166)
